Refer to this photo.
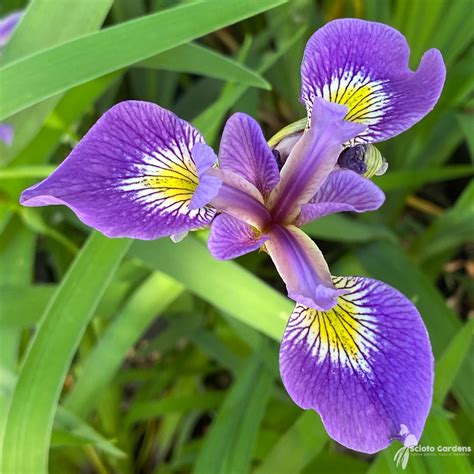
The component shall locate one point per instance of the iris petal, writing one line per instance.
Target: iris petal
(132, 175)
(342, 191)
(302, 267)
(311, 160)
(204, 158)
(244, 151)
(364, 65)
(231, 238)
(365, 366)
(240, 198)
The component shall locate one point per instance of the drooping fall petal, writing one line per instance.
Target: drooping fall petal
(365, 366)
(132, 175)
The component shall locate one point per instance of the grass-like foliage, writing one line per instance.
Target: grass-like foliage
(121, 356)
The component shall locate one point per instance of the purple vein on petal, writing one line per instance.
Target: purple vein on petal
(244, 151)
(240, 198)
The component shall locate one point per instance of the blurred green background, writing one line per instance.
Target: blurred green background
(151, 357)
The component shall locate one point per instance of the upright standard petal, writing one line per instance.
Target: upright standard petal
(6, 133)
(7, 27)
(365, 366)
(244, 151)
(364, 65)
(231, 238)
(311, 160)
(343, 190)
(132, 175)
(302, 267)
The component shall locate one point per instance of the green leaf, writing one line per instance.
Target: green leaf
(65, 20)
(214, 348)
(304, 440)
(17, 244)
(466, 122)
(49, 72)
(50, 352)
(228, 446)
(211, 119)
(46, 23)
(451, 229)
(145, 410)
(24, 311)
(226, 285)
(32, 219)
(197, 59)
(69, 429)
(26, 172)
(341, 228)
(98, 369)
(409, 179)
(450, 361)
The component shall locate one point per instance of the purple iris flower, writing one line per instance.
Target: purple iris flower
(7, 26)
(365, 66)
(355, 349)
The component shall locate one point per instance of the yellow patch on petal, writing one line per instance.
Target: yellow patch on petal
(178, 181)
(365, 98)
(166, 181)
(345, 334)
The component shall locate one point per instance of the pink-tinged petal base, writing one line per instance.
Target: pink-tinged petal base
(240, 198)
(302, 267)
(231, 238)
(342, 191)
(366, 366)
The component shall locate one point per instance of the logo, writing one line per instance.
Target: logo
(411, 447)
(403, 454)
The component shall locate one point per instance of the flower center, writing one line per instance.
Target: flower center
(352, 158)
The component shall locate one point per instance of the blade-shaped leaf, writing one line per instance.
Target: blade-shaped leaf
(49, 72)
(304, 440)
(197, 59)
(450, 361)
(228, 446)
(226, 285)
(98, 369)
(34, 402)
